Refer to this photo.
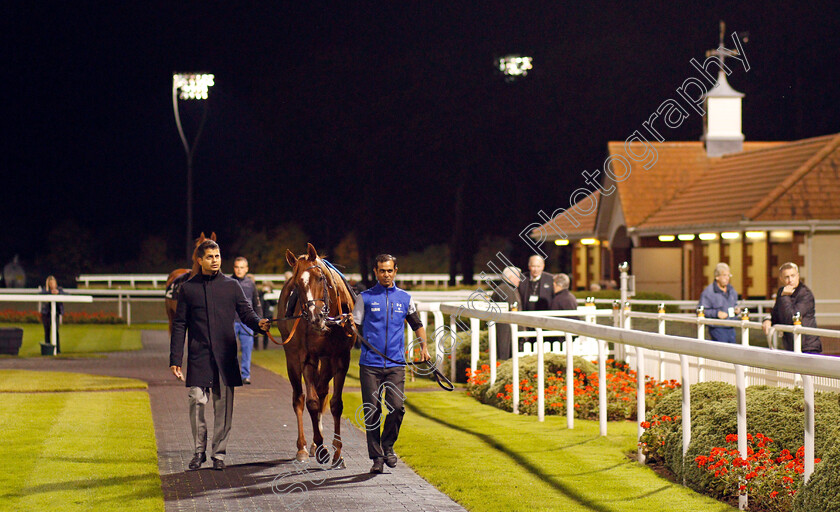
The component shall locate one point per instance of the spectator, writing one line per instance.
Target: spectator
(537, 288)
(506, 292)
(51, 287)
(794, 297)
(563, 298)
(720, 300)
(594, 287)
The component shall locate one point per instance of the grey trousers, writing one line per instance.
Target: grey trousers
(222, 417)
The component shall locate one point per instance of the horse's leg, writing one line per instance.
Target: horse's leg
(310, 377)
(293, 366)
(170, 306)
(342, 363)
(322, 387)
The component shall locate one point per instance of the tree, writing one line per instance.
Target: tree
(266, 248)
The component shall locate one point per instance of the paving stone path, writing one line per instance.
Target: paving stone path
(261, 473)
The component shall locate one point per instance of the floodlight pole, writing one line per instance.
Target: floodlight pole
(176, 85)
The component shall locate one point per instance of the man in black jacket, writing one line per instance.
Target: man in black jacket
(794, 297)
(537, 289)
(207, 306)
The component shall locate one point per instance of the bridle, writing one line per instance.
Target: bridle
(330, 321)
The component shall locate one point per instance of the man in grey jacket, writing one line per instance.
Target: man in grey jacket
(246, 335)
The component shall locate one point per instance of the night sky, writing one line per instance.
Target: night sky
(368, 116)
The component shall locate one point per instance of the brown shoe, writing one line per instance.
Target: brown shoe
(377, 466)
(218, 464)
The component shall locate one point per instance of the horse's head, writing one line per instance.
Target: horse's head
(312, 285)
(196, 267)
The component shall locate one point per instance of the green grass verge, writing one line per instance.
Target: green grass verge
(275, 360)
(27, 381)
(80, 339)
(490, 460)
(78, 451)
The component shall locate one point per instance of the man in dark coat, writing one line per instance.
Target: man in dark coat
(537, 289)
(563, 298)
(207, 306)
(506, 292)
(794, 297)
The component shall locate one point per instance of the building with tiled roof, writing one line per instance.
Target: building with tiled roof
(676, 209)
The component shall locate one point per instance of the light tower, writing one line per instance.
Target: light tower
(192, 86)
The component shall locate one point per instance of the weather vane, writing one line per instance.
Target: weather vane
(721, 51)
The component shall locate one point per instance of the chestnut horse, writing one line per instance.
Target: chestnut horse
(170, 301)
(318, 331)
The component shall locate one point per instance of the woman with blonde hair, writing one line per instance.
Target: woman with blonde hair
(51, 287)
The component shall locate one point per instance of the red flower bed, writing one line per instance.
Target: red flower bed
(34, 317)
(621, 391)
(769, 479)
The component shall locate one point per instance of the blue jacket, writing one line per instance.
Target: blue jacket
(713, 299)
(381, 312)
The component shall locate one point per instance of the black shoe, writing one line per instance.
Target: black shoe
(390, 459)
(197, 460)
(377, 466)
(246, 381)
(218, 464)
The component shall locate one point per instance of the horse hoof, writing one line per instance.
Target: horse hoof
(302, 456)
(312, 449)
(322, 455)
(339, 464)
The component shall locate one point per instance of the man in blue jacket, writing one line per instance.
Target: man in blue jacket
(380, 313)
(720, 300)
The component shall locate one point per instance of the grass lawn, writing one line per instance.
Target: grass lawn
(79, 339)
(78, 451)
(25, 381)
(275, 360)
(491, 460)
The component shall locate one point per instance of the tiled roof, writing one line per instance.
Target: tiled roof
(563, 224)
(735, 185)
(677, 166)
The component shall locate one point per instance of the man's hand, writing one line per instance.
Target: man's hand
(424, 353)
(788, 290)
(767, 327)
(176, 371)
(265, 324)
(723, 315)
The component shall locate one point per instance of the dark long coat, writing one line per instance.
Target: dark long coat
(544, 291)
(206, 310)
(801, 301)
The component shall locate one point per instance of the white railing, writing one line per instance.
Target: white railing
(807, 365)
(46, 297)
(761, 307)
(160, 279)
(123, 298)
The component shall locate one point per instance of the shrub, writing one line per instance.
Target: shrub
(823, 489)
(776, 412)
(34, 317)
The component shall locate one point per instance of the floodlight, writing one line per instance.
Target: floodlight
(193, 86)
(514, 66)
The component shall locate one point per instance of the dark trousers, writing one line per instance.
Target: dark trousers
(46, 319)
(374, 382)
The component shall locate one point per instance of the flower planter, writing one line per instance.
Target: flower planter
(11, 338)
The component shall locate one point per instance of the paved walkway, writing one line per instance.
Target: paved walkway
(261, 472)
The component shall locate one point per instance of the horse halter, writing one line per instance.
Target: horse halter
(325, 285)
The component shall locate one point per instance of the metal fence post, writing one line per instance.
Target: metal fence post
(514, 341)
(570, 383)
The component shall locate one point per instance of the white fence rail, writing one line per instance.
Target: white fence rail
(52, 299)
(806, 365)
(160, 279)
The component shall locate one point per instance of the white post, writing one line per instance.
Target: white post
(640, 398)
(119, 304)
(453, 326)
(474, 336)
(741, 389)
(128, 310)
(540, 376)
(808, 381)
(685, 382)
(53, 327)
(514, 340)
(570, 383)
(491, 339)
(701, 361)
(660, 371)
(797, 348)
(602, 386)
